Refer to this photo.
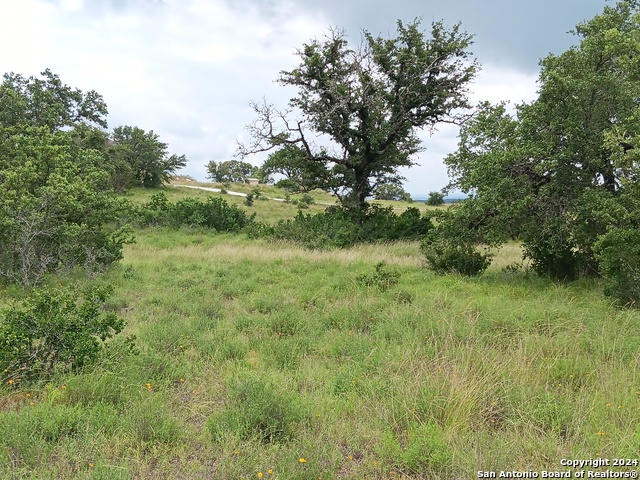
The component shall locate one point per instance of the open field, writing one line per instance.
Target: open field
(268, 211)
(263, 360)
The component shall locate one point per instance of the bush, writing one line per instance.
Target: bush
(214, 213)
(449, 257)
(55, 329)
(435, 199)
(382, 278)
(340, 228)
(304, 201)
(618, 254)
(558, 262)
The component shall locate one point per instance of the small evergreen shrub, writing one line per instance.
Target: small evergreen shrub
(340, 228)
(214, 213)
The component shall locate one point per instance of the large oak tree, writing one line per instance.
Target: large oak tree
(358, 110)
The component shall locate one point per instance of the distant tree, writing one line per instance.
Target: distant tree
(146, 158)
(435, 199)
(233, 171)
(366, 104)
(391, 191)
(291, 161)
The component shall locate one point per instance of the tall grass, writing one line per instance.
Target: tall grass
(267, 358)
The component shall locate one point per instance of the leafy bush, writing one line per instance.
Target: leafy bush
(556, 261)
(340, 228)
(304, 201)
(56, 210)
(450, 257)
(618, 254)
(214, 213)
(435, 199)
(55, 329)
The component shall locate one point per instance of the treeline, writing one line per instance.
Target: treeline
(59, 172)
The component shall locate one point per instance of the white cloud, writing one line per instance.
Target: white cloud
(496, 84)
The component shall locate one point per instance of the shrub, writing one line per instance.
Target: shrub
(618, 254)
(559, 262)
(435, 199)
(340, 228)
(214, 213)
(449, 257)
(382, 278)
(55, 328)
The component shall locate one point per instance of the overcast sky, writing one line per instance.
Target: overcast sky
(187, 69)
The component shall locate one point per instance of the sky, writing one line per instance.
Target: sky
(187, 69)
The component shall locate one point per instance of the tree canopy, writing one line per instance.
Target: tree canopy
(47, 102)
(548, 173)
(233, 171)
(365, 105)
(57, 208)
(144, 156)
(300, 174)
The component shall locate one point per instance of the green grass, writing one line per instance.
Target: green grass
(266, 209)
(254, 355)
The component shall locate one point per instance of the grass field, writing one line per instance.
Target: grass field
(264, 360)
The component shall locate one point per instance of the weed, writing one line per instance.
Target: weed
(382, 279)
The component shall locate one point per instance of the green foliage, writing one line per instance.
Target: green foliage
(304, 201)
(301, 175)
(618, 254)
(537, 176)
(369, 102)
(57, 211)
(422, 449)
(145, 158)
(55, 329)
(340, 228)
(435, 199)
(233, 171)
(47, 102)
(214, 213)
(382, 278)
(391, 191)
(447, 256)
(258, 411)
(254, 194)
